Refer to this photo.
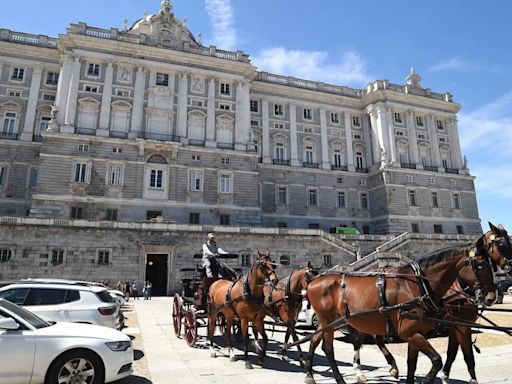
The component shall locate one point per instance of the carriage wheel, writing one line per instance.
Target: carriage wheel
(190, 327)
(221, 323)
(176, 315)
(237, 331)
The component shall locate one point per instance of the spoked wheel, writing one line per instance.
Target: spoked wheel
(190, 327)
(176, 315)
(221, 323)
(237, 330)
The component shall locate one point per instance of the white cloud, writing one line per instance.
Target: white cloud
(313, 65)
(456, 63)
(221, 16)
(493, 180)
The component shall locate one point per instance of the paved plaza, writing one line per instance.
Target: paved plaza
(169, 360)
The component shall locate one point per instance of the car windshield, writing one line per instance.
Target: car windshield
(28, 316)
(105, 297)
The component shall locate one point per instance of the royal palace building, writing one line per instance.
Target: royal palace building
(147, 123)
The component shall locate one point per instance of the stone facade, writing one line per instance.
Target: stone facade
(131, 125)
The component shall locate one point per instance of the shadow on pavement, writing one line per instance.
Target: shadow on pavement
(133, 379)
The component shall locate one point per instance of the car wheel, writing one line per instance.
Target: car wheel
(79, 366)
(314, 321)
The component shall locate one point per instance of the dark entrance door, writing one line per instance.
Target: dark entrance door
(156, 273)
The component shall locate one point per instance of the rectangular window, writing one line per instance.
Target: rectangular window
(90, 88)
(33, 177)
(111, 214)
(306, 113)
(14, 93)
(52, 78)
(57, 256)
(224, 220)
(254, 106)
(43, 124)
(460, 230)
(339, 180)
(117, 150)
(80, 173)
(327, 260)
(415, 228)
(5, 255)
(193, 218)
(434, 200)
(9, 123)
(364, 200)
(278, 125)
(398, 117)
(431, 180)
(76, 213)
(225, 184)
(335, 118)
(103, 257)
(419, 121)
(399, 133)
(123, 92)
(48, 97)
(2, 174)
(366, 229)
(83, 147)
(341, 203)
(162, 79)
(438, 228)
(337, 158)
(281, 196)
(409, 178)
(196, 181)
(355, 121)
(150, 215)
(156, 177)
(456, 200)
(115, 173)
(412, 197)
(93, 70)
(440, 125)
(225, 89)
(18, 74)
(245, 260)
(312, 197)
(278, 110)
(225, 107)
(362, 182)
(255, 123)
(422, 136)
(453, 182)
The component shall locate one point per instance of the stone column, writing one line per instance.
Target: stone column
(453, 133)
(72, 100)
(242, 116)
(106, 99)
(434, 140)
(63, 88)
(413, 140)
(294, 155)
(323, 136)
(30, 116)
(210, 114)
(265, 132)
(348, 142)
(138, 104)
(391, 136)
(181, 122)
(374, 136)
(367, 141)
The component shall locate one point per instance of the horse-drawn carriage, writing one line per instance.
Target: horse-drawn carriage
(187, 311)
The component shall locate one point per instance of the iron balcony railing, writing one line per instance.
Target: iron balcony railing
(85, 131)
(309, 165)
(339, 168)
(226, 146)
(362, 170)
(8, 136)
(455, 171)
(196, 143)
(280, 162)
(430, 168)
(118, 134)
(408, 165)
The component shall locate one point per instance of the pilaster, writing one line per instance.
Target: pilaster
(434, 140)
(35, 85)
(63, 88)
(138, 104)
(413, 141)
(374, 136)
(72, 99)
(210, 114)
(453, 133)
(294, 158)
(323, 138)
(106, 100)
(265, 132)
(181, 123)
(348, 142)
(391, 136)
(367, 140)
(242, 116)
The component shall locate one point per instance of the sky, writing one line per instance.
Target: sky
(457, 46)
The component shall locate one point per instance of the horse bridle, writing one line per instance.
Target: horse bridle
(477, 266)
(501, 246)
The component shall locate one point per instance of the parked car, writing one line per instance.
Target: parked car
(38, 352)
(66, 302)
(307, 315)
(503, 287)
(118, 296)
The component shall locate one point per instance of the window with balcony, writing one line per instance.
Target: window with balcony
(9, 125)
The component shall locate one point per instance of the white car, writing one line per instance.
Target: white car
(118, 296)
(307, 315)
(36, 352)
(66, 302)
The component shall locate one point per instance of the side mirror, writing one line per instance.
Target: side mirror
(9, 324)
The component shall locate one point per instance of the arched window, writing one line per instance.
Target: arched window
(446, 158)
(359, 151)
(196, 125)
(256, 140)
(121, 116)
(338, 160)
(157, 159)
(425, 154)
(88, 113)
(402, 149)
(225, 129)
(280, 150)
(309, 151)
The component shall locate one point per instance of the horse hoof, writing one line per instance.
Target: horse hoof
(248, 365)
(213, 353)
(309, 380)
(361, 379)
(445, 379)
(394, 372)
(232, 357)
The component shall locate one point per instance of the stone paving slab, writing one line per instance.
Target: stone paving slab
(172, 361)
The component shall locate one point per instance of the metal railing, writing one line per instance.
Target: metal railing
(196, 143)
(158, 137)
(309, 165)
(85, 131)
(455, 171)
(408, 165)
(226, 146)
(37, 138)
(430, 168)
(339, 168)
(8, 136)
(280, 162)
(362, 170)
(118, 134)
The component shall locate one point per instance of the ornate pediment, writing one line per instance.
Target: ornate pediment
(163, 29)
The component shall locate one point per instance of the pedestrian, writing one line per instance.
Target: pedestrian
(149, 287)
(119, 286)
(135, 290)
(145, 290)
(127, 291)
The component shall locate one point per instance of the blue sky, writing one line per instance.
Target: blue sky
(459, 46)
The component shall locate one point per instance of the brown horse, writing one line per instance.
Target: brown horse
(460, 304)
(413, 291)
(243, 299)
(283, 302)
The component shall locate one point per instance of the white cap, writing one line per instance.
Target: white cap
(210, 236)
